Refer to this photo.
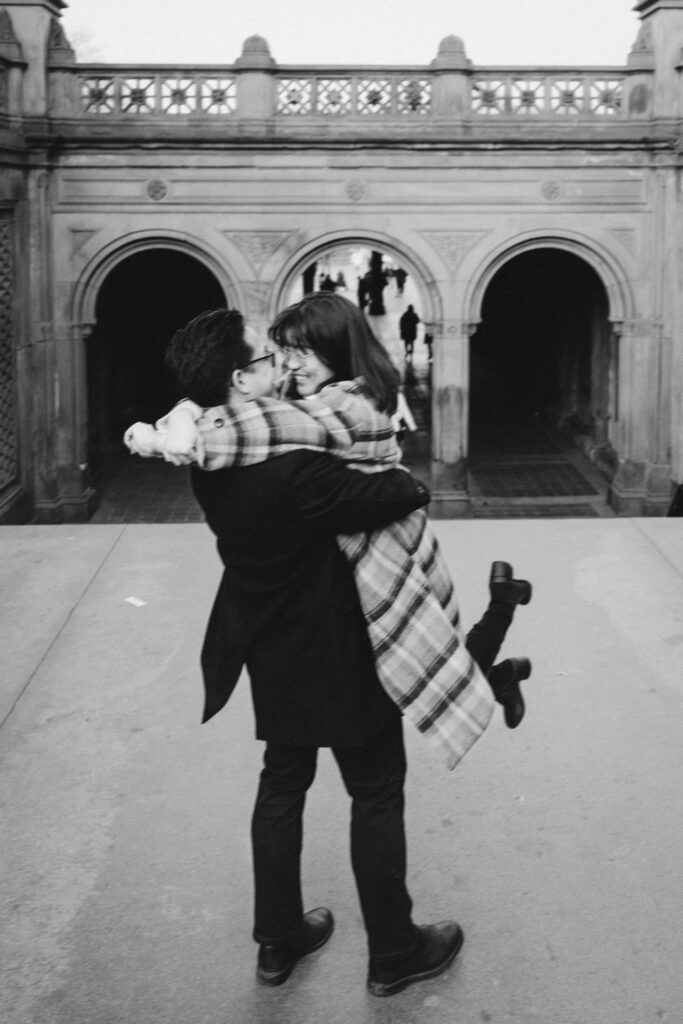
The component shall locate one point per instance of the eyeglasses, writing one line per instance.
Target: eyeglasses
(268, 355)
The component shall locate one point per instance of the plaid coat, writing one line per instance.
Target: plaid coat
(404, 586)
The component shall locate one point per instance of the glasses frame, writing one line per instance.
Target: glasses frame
(269, 355)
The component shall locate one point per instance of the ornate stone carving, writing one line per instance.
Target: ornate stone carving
(552, 190)
(58, 46)
(6, 28)
(453, 246)
(356, 190)
(157, 189)
(258, 246)
(644, 41)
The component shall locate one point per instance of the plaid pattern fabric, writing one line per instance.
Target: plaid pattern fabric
(403, 583)
(338, 420)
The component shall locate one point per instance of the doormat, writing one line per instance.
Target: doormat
(522, 480)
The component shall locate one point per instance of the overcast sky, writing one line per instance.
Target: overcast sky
(512, 32)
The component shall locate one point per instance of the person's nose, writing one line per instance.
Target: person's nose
(292, 359)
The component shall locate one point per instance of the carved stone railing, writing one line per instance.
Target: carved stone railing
(369, 93)
(373, 93)
(157, 92)
(548, 93)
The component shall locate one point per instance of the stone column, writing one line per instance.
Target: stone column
(450, 409)
(642, 482)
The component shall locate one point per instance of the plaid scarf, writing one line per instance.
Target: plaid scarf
(402, 580)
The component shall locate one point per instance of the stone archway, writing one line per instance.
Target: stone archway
(541, 373)
(142, 300)
(377, 274)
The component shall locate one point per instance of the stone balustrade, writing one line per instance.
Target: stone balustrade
(370, 94)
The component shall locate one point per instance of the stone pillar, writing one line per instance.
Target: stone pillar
(31, 21)
(451, 98)
(663, 20)
(450, 411)
(256, 93)
(642, 482)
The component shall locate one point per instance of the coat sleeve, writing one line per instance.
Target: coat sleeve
(334, 499)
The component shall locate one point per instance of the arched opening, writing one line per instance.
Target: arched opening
(140, 304)
(540, 360)
(376, 279)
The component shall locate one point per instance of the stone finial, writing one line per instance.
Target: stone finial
(451, 55)
(255, 54)
(59, 49)
(642, 53)
(10, 47)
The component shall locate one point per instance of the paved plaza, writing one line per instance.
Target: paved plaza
(126, 888)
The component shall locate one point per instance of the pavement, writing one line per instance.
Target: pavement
(126, 885)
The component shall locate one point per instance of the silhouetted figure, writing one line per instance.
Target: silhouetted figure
(377, 284)
(309, 279)
(327, 284)
(363, 290)
(400, 275)
(407, 327)
(428, 339)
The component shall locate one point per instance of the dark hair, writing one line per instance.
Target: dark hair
(337, 332)
(203, 354)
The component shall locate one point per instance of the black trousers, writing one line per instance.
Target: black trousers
(485, 638)
(374, 776)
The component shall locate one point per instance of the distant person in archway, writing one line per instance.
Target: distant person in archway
(407, 327)
(400, 275)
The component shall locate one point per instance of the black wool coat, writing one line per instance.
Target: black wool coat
(287, 605)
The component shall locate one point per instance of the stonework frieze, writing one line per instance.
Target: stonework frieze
(259, 246)
(453, 246)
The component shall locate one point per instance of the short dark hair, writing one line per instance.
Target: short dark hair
(336, 330)
(203, 355)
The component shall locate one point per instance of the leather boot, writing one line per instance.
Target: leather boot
(437, 947)
(504, 679)
(276, 962)
(503, 587)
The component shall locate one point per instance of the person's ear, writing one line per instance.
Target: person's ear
(238, 381)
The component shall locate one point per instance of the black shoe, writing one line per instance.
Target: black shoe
(504, 588)
(438, 945)
(276, 963)
(504, 679)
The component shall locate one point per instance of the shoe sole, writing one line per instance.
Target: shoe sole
(273, 978)
(377, 988)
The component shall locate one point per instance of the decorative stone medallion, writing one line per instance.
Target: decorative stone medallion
(157, 189)
(552, 191)
(356, 190)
